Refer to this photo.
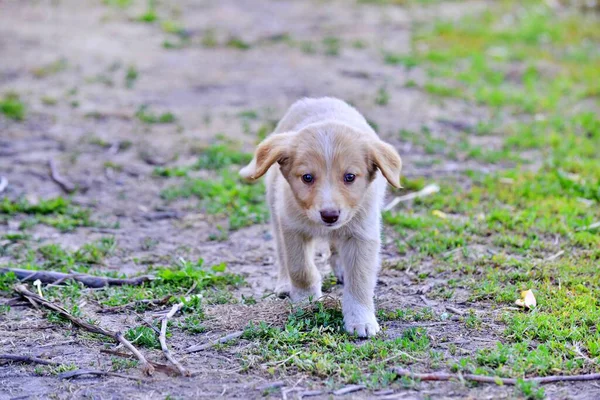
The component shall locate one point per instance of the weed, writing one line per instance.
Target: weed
(237, 43)
(143, 336)
(12, 107)
(148, 117)
(383, 97)
(131, 76)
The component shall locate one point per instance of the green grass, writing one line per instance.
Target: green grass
(148, 117)
(224, 195)
(51, 69)
(313, 341)
(500, 58)
(143, 336)
(12, 107)
(58, 213)
(237, 43)
(517, 61)
(131, 76)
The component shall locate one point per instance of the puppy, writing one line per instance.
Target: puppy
(326, 179)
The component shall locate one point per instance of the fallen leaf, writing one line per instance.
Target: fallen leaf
(527, 299)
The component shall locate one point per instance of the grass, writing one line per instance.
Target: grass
(148, 117)
(224, 194)
(313, 341)
(12, 107)
(524, 213)
(131, 76)
(57, 212)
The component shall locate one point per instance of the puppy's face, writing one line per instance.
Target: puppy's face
(328, 167)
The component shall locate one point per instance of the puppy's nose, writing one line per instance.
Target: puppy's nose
(330, 216)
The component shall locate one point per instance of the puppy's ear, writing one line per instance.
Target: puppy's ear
(385, 157)
(275, 148)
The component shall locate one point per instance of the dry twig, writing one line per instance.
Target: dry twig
(65, 185)
(163, 340)
(348, 389)
(426, 191)
(88, 280)
(221, 340)
(27, 359)
(80, 372)
(445, 376)
(22, 290)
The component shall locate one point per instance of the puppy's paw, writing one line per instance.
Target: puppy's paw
(358, 318)
(364, 329)
(283, 289)
(298, 294)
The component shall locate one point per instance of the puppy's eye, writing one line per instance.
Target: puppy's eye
(307, 178)
(348, 178)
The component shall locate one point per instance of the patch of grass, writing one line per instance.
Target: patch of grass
(57, 212)
(220, 155)
(118, 3)
(400, 59)
(313, 341)
(6, 281)
(143, 336)
(12, 107)
(150, 15)
(192, 324)
(209, 39)
(383, 97)
(51, 69)
(225, 196)
(131, 76)
(148, 117)
(174, 281)
(237, 43)
(55, 257)
(122, 364)
(332, 46)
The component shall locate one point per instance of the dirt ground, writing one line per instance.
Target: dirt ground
(206, 88)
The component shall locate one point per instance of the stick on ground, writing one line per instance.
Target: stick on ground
(445, 376)
(22, 290)
(80, 372)
(224, 339)
(88, 280)
(64, 184)
(426, 191)
(163, 340)
(27, 359)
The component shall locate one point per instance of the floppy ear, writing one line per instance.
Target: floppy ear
(275, 148)
(386, 159)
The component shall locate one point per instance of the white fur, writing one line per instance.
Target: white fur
(355, 241)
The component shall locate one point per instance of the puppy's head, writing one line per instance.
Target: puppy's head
(328, 167)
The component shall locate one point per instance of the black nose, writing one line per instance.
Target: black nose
(330, 216)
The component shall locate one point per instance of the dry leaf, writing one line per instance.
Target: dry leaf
(440, 214)
(527, 299)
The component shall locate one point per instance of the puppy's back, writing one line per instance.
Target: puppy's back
(308, 111)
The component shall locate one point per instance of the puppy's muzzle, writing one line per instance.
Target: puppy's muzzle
(330, 216)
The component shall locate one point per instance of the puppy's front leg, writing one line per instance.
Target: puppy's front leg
(299, 256)
(360, 259)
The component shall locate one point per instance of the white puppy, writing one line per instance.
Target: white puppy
(326, 179)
